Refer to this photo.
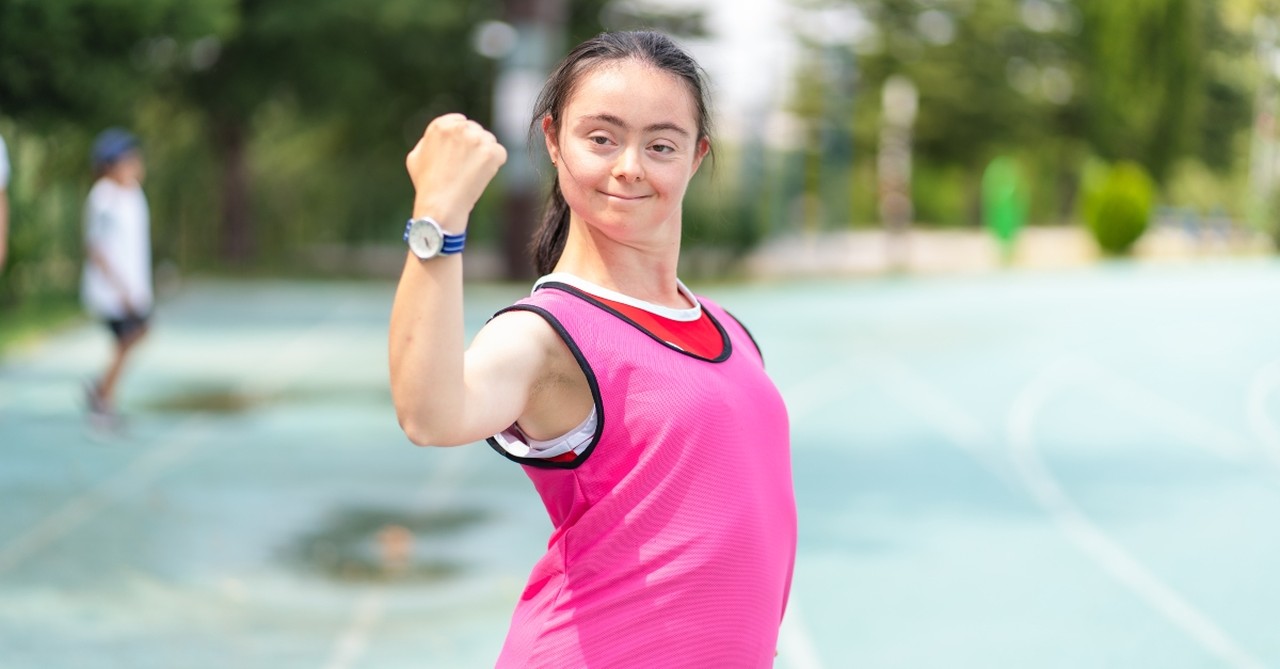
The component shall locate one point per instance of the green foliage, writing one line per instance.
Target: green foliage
(86, 61)
(1117, 205)
(941, 195)
(28, 321)
(1151, 81)
(47, 187)
(1143, 80)
(1192, 185)
(717, 213)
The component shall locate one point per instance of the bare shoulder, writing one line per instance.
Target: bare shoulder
(518, 345)
(527, 347)
(527, 352)
(519, 331)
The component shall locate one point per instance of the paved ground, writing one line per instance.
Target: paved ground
(1023, 469)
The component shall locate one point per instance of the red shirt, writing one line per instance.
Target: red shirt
(699, 337)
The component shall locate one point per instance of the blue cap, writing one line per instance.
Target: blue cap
(111, 145)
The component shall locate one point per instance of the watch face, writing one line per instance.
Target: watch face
(425, 238)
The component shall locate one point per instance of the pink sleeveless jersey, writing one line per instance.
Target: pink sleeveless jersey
(675, 527)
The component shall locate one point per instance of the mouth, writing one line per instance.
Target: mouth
(625, 198)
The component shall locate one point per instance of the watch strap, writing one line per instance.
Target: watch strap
(450, 245)
(453, 243)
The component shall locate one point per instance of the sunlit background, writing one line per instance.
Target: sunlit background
(1011, 262)
(274, 130)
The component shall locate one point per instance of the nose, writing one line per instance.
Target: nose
(628, 166)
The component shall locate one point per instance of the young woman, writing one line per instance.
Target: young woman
(641, 412)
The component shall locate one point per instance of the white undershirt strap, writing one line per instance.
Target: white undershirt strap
(687, 315)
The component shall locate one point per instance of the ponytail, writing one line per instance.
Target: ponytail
(549, 238)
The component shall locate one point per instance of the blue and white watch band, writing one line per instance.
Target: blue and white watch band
(453, 243)
(426, 239)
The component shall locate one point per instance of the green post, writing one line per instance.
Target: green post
(1004, 203)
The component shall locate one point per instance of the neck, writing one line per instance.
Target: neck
(643, 271)
(121, 180)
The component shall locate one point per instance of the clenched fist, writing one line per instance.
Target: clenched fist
(452, 163)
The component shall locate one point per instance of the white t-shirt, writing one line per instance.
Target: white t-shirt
(117, 224)
(4, 166)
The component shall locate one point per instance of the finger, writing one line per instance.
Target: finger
(476, 133)
(451, 117)
(445, 121)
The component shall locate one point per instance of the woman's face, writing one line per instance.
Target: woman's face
(626, 146)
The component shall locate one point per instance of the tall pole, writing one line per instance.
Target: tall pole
(893, 164)
(1264, 153)
(539, 34)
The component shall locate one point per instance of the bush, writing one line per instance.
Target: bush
(1117, 206)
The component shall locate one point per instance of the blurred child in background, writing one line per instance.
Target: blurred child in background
(116, 284)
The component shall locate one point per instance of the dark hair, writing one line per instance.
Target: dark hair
(648, 47)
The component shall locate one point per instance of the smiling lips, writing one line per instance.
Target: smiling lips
(625, 198)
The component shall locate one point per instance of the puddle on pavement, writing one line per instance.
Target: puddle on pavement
(228, 400)
(369, 544)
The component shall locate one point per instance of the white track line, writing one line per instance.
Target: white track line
(1176, 420)
(1265, 382)
(795, 646)
(354, 639)
(1093, 541)
(298, 355)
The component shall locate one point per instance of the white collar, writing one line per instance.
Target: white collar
(689, 314)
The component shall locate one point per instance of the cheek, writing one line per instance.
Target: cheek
(581, 173)
(671, 182)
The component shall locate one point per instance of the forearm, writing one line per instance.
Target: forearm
(100, 261)
(426, 351)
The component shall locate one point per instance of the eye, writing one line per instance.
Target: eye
(598, 140)
(663, 148)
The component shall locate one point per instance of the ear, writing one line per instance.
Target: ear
(704, 147)
(553, 141)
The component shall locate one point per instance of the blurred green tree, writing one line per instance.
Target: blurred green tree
(1152, 81)
(1141, 79)
(371, 72)
(85, 62)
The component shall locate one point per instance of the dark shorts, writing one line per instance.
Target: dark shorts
(127, 327)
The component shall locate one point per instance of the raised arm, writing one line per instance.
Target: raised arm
(444, 395)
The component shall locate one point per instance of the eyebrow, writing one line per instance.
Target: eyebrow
(614, 120)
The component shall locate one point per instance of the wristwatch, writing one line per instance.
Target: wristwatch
(427, 239)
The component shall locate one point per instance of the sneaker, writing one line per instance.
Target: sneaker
(93, 400)
(102, 417)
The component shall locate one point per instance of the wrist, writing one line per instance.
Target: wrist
(450, 221)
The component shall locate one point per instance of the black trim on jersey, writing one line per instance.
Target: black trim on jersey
(591, 381)
(748, 332)
(724, 336)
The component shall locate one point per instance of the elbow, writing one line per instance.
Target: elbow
(423, 433)
(429, 423)
(418, 433)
